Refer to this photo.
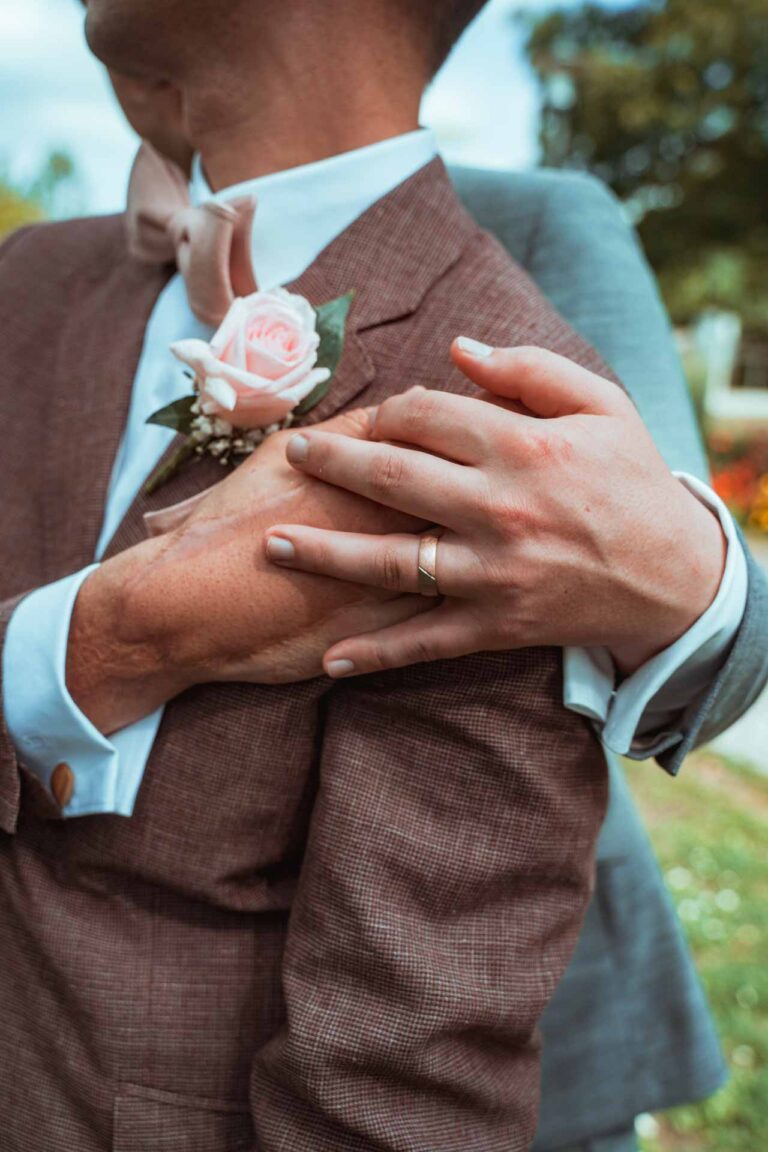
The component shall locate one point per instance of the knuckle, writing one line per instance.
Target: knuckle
(377, 657)
(536, 445)
(421, 410)
(563, 446)
(387, 471)
(503, 516)
(529, 360)
(319, 554)
(388, 574)
(551, 445)
(411, 410)
(511, 519)
(499, 578)
(420, 651)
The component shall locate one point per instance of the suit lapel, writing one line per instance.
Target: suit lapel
(391, 256)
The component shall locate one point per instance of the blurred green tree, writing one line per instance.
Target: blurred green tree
(667, 101)
(36, 200)
(16, 209)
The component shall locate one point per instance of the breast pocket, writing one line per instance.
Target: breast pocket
(147, 1120)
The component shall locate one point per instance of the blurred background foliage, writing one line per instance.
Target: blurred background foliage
(37, 199)
(710, 830)
(668, 103)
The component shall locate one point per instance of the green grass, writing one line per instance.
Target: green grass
(710, 831)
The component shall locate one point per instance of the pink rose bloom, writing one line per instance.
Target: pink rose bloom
(261, 363)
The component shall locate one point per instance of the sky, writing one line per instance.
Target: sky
(54, 96)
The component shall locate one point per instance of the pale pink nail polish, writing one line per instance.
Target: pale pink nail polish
(474, 348)
(297, 450)
(280, 549)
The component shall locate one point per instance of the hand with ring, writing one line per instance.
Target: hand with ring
(561, 523)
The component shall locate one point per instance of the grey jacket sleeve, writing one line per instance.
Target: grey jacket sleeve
(569, 232)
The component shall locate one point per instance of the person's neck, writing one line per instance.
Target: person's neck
(293, 120)
(247, 152)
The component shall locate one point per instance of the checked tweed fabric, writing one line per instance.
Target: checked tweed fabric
(339, 910)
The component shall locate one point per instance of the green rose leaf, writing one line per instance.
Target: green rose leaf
(331, 328)
(178, 416)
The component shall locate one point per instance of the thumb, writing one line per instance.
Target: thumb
(546, 384)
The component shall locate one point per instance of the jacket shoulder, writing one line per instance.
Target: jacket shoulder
(489, 295)
(517, 206)
(493, 291)
(62, 249)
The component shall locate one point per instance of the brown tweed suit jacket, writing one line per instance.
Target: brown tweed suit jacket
(339, 910)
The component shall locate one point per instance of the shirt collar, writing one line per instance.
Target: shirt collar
(302, 210)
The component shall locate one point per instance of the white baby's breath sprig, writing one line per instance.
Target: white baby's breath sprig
(212, 436)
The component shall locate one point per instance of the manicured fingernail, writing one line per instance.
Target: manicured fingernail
(280, 549)
(297, 450)
(338, 668)
(373, 414)
(474, 347)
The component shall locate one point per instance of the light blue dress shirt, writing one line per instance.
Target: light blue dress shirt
(299, 213)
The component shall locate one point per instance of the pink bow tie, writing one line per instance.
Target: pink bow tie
(211, 245)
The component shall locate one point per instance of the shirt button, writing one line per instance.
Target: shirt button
(63, 784)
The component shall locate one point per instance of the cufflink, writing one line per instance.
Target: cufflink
(63, 784)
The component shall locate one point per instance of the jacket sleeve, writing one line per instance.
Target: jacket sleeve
(740, 680)
(611, 298)
(447, 871)
(9, 765)
(40, 724)
(12, 770)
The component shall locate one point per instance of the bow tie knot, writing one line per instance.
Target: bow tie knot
(210, 244)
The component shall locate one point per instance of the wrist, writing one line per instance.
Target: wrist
(116, 669)
(694, 552)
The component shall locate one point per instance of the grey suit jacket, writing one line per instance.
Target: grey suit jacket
(629, 1030)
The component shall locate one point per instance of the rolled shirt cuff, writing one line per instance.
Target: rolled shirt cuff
(46, 726)
(645, 715)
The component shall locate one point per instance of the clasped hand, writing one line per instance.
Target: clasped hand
(563, 525)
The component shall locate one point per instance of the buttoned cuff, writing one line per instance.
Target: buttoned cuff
(645, 715)
(46, 726)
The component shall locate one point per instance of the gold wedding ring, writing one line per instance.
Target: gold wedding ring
(427, 563)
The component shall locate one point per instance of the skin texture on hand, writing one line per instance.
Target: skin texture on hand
(202, 603)
(563, 524)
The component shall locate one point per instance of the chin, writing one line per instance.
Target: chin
(132, 36)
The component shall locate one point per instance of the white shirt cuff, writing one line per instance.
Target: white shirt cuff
(45, 724)
(644, 716)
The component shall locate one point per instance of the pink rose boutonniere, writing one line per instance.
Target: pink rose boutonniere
(271, 361)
